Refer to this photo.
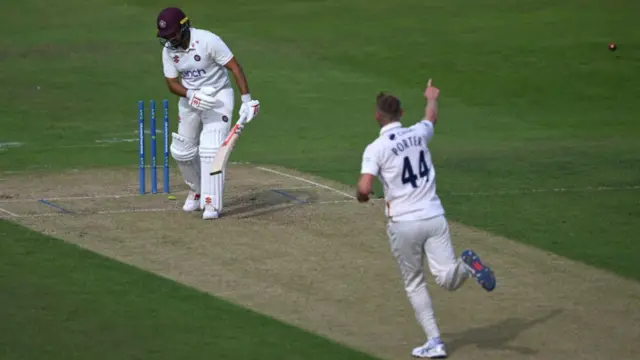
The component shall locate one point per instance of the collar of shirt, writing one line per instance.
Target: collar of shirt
(393, 125)
(181, 50)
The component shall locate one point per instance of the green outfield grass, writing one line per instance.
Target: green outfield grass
(531, 102)
(61, 302)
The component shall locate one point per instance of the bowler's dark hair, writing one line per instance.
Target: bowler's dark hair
(389, 105)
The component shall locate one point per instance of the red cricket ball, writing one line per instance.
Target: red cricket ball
(612, 47)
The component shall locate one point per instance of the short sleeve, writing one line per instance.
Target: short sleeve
(218, 50)
(169, 68)
(426, 128)
(370, 163)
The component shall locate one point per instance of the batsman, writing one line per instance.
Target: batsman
(196, 64)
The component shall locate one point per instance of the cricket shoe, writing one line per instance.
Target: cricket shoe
(432, 349)
(210, 212)
(192, 203)
(483, 274)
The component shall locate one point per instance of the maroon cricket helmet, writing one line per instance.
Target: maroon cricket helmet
(172, 24)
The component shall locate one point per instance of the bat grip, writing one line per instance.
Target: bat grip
(243, 119)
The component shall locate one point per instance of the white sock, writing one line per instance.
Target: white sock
(421, 303)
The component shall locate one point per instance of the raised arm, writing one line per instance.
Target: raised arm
(431, 109)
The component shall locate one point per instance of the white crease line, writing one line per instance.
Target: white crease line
(531, 191)
(480, 193)
(39, 169)
(342, 202)
(125, 211)
(514, 192)
(79, 146)
(70, 198)
(295, 188)
(118, 196)
(99, 144)
(113, 196)
(305, 180)
(106, 212)
(9, 212)
(131, 211)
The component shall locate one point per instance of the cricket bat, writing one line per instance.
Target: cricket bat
(222, 156)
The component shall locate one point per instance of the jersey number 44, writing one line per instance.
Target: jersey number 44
(409, 176)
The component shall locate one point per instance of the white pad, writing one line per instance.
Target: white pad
(211, 138)
(185, 152)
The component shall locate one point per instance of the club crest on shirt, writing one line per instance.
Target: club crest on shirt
(225, 118)
(176, 59)
(197, 57)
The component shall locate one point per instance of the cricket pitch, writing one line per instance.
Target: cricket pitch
(302, 250)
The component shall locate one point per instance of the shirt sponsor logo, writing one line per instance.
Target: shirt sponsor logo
(193, 74)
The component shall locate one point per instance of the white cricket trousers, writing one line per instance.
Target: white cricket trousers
(410, 242)
(208, 129)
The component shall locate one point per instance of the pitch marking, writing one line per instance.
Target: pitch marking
(9, 212)
(306, 180)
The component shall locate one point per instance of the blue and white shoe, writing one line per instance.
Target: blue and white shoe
(432, 349)
(483, 274)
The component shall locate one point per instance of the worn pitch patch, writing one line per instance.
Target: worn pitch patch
(300, 249)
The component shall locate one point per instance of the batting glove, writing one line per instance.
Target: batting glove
(200, 101)
(249, 107)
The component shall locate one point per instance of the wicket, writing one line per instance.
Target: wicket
(142, 146)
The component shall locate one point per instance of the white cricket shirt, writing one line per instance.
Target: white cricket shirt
(202, 64)
(400, 158)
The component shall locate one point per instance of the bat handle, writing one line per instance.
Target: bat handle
(243, 119)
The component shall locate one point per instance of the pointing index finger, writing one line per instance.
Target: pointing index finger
(429, 83)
